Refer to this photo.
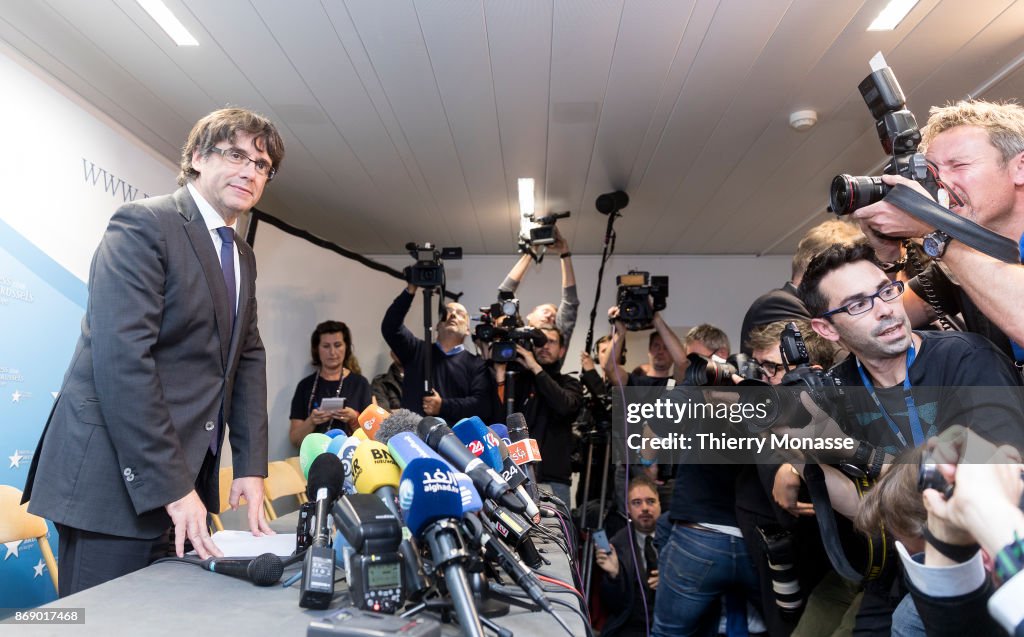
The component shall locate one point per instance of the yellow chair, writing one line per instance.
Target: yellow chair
(294, 463)
(282, 480)
(226, 476)
(16, 523)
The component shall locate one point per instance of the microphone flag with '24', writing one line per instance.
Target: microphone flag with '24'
(484, 444)
(430, 498)
(406, 447)
(438, 436)
(326, 477)
(374, 471)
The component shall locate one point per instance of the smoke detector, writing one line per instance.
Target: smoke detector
(803, 120)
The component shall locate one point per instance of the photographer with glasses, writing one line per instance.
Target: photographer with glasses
(901, 386)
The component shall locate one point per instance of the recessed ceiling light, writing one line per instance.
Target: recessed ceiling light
(168, 22)
(890, 17)
(526, 196)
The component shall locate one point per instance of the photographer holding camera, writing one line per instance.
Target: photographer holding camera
(459, 387)
(977, 148)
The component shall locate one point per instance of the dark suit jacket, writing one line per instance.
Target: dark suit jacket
(156, 363)
(619, 595)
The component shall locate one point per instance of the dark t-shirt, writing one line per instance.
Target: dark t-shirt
(957, 378)
(355, 390)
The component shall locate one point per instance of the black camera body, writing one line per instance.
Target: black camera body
(502, 327)
(428, 271)
(539, 231)
(900, 137)
(638, 297)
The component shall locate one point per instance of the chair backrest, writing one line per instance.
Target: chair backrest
(282, 480)
(16, 523)
(295, 464)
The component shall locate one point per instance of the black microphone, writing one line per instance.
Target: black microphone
(480, 530)
(439, 437)
(519, 434)
(326, 479)
(516, 531)
(264, 570)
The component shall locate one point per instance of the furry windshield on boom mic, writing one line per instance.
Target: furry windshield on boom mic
(400, 420)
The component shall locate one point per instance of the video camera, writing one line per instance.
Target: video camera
(639, 296)
(539, 231)
(900, 137)
(428, 271)
(501, 327)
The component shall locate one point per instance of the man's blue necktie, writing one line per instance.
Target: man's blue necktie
(227, 264)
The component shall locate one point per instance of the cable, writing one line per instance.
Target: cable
(551, 580)
(583, 618)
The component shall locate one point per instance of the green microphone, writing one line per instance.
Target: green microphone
(312, 446)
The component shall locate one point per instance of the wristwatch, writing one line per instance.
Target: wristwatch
(935, 244)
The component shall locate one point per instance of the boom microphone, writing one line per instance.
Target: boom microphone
(438, 436)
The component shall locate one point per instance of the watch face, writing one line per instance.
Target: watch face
(933, 247)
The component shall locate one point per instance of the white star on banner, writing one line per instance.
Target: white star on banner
(16, 396)
(16, 460)
(12, 548)
(39, 568)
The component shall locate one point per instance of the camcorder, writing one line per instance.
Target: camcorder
(502, 327)
(900, 137)
(539, 231)
(639, 296)
(428, 271)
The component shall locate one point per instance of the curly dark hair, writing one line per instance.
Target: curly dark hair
(334, 327)
(828, 260)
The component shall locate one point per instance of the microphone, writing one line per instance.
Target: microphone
(345, 454)
(326, 477)
(480, 531)
(406, 447)
(523, 450)
(264, 570)
(516, 531)
(438, 436)
(432, 503)
(312, 446)
(501, 431)
(400, 420)
(482, 442)
(336, 443)
(516, 479)
(333, 433)
(371, 418)
(374, 471)
(473, 433)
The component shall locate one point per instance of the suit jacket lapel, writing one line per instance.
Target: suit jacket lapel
(202, 244)
(245, 276)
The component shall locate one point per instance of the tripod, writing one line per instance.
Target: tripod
(595, 437)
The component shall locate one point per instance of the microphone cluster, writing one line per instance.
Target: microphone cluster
(462, 494)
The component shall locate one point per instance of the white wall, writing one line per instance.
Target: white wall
(301, 284)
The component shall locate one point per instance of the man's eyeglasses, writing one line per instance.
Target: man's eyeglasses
(887, 293)
(771, 368)
(237, 157)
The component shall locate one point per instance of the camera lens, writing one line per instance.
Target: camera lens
(848, 193)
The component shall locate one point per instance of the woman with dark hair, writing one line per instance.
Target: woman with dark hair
(337, 376)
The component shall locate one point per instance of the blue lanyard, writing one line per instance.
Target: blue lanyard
(915, 421)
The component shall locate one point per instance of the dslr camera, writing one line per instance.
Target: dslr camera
(501, 326)
(428, 271)
(900, 137)
(638, 297)
(785, 406)
(714, 371)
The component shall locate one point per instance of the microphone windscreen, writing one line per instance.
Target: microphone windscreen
(312, 446)
(482, 443)
(333, 433)
(371, 419)
(336, 443)
(326, 472)
(471, 501)
(373, 468)
(360, 434)
(517, 428)
(502, 447)
(266, 570)
(429, 492)
(502, 432)
(400, 420)
(406, 447)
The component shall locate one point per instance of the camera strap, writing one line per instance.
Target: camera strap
(916, 430)
(814, 476)
(960, 228)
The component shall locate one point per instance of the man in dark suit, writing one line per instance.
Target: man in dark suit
(169, 359)
(630, 604)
